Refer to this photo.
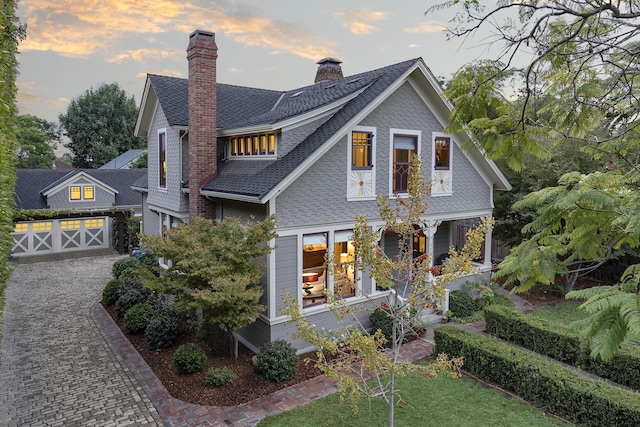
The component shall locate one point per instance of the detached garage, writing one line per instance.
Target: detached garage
(72, 210)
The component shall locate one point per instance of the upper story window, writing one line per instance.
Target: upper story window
(162, 159)
(263, 144)
(81, 192)
(441, 175)
(442, 151)
(361, 153)
(361, 150)
(405, 145)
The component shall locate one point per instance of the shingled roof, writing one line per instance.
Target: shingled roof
(240, 107)
(32, 183)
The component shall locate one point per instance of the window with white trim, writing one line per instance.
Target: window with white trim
(81, 192)
(441, 174)
(262, 144)
(162, 159)
(316, 278)
(405, 144)
(360, 158)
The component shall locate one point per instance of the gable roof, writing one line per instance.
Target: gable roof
(124, 160)
(31, 184)
(243, 109)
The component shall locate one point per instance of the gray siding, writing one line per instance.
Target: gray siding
(170, 198)
(286, 254)
(103, 199)
(319, 195)
(243, 210)
(150, 220)
(255, 335)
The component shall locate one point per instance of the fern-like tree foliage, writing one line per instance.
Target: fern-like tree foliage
(565, 71)
(215, 268)
(350, 353)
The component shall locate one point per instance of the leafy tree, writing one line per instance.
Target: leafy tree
(355, 352)
(581, 61)
(37, 139)
(11, 32)
(100, 124)
(215, 268)
(141, 162)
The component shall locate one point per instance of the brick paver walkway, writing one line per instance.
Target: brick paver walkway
(56, 368)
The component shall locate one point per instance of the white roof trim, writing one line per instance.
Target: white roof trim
(69, 181)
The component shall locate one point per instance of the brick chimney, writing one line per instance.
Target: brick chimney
(328, 69)
(202, 54)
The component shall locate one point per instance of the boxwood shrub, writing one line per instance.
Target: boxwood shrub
(537, 379)
(111, 291)
(121, 266)
(161, 331)
(189, 359)
(563, 344)
(277, 361)
(137, 318)
(461, 304)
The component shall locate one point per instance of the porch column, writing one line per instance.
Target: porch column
(487, 247)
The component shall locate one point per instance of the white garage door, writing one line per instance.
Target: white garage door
(60, 235)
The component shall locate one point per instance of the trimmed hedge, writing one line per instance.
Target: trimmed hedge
(561, 343)
(537, 379)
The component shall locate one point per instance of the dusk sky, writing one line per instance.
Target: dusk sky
(74, 45)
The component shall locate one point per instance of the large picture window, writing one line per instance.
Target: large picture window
(404, 147)
(162, 159)
(343, 262)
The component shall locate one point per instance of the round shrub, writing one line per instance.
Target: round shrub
(277, 361)
(189, 359)
(461, 304)
(123, 264)
(128, 300)
(219, 377)
(111, 291)
(161, 331)
(137, 318)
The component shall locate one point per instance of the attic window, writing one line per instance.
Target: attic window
(262, 144)
(297, 94)
(81, 192)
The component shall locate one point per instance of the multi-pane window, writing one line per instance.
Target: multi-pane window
(162, 159)
(361, 149)
(344, 278)
(253, 145)
(73, 224)
(404, 147)
(94, 223)
(314, 269)
(42, 226)
(21, 227)
(81, 192)
(442, 151)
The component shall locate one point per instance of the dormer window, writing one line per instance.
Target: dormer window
(81, 192)
(263, 144)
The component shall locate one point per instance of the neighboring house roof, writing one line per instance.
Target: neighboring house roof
(240, 109)
(31, 184)
(124, 160)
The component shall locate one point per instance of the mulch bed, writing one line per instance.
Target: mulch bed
(190, 388)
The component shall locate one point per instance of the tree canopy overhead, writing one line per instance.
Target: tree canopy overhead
(100, 124)
(575, 67)
(36, 139)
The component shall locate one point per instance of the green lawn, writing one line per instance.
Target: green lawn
(565, 312)
(440, 402)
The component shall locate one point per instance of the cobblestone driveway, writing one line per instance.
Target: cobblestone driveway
(56, 369)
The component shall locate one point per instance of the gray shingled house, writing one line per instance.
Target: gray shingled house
(72, 209)
(314, 156)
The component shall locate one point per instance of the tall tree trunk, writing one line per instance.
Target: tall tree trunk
(570, 281)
